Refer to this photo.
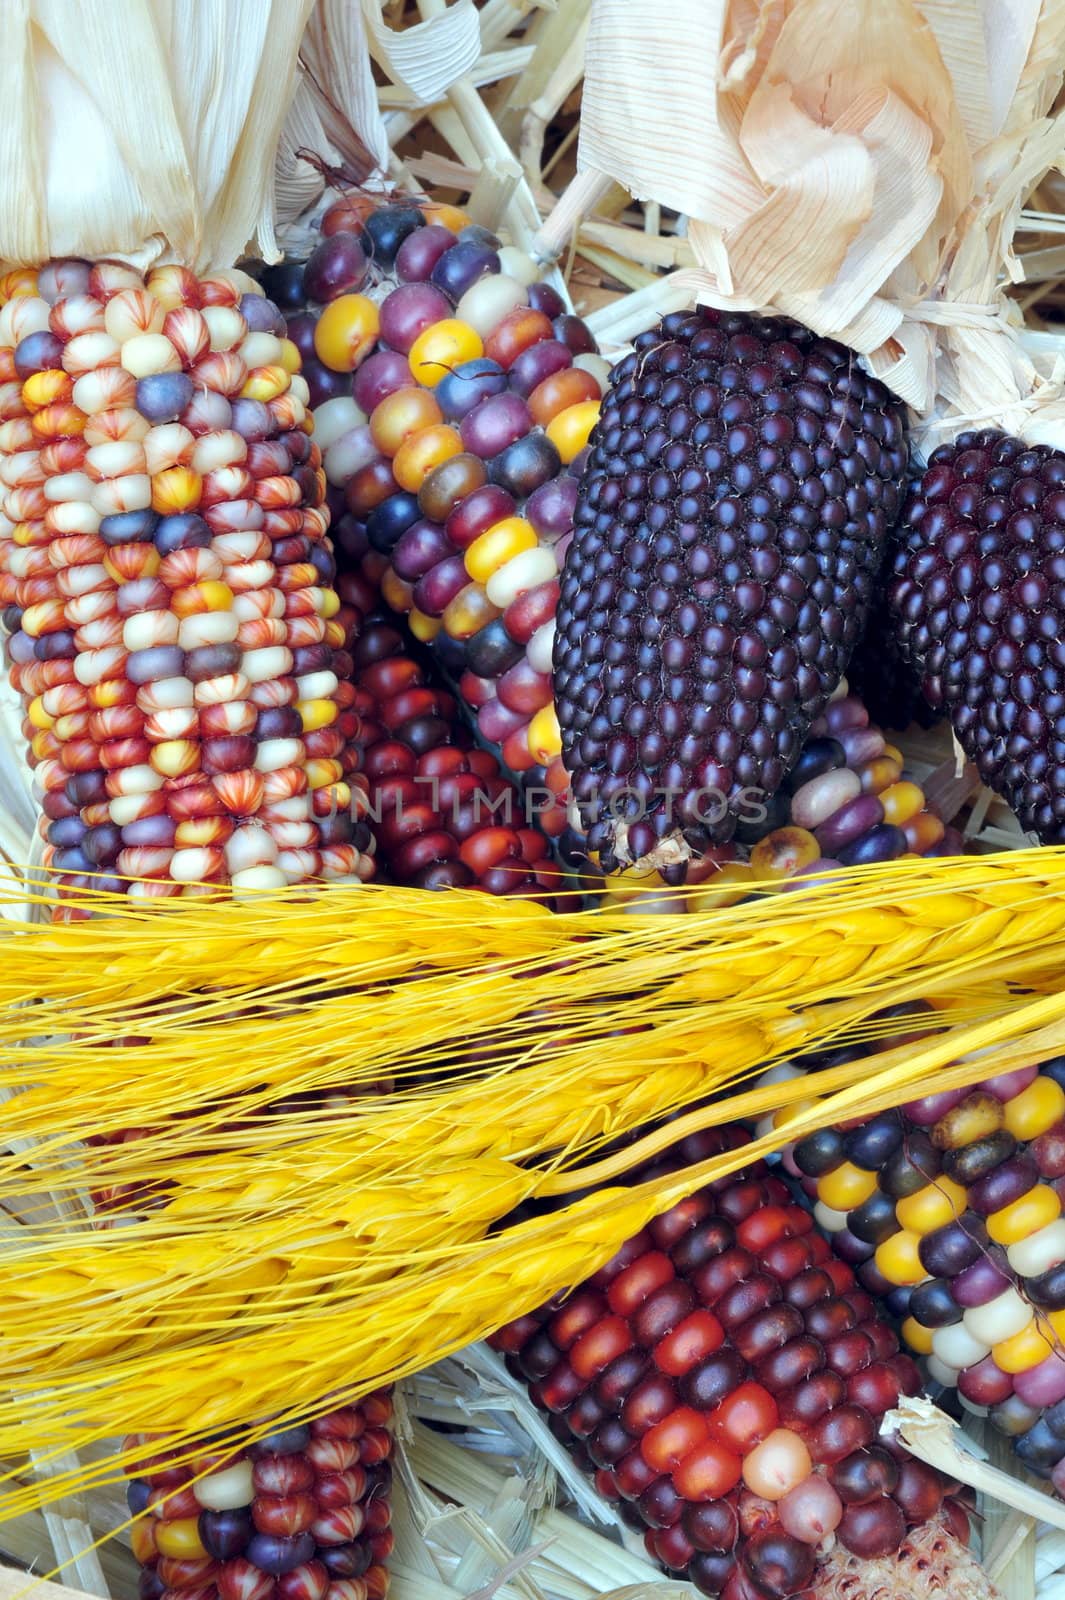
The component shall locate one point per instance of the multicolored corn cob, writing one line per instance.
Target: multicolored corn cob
(167, 583)
(977, 599)
(726, 1378)
(441, 812)
(743, 478)
(302, 1515)
(455, 448)
(951, 1207)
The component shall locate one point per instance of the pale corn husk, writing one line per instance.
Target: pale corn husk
(857, 164)
(143, 129)
(336, 113)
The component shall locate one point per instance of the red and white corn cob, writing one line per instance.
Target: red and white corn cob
(167, 582)
(726, 1377)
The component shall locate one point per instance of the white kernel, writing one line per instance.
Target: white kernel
(489, 300)
(149, 628)
(517, 264)
(207, 627)
(1040, 1251)
(149, 353)
(273, 754)
(260, 666)
(957, 1346)
(524, 571)
(250, 846)
(334, 418)
(825, 1217)
(68, 486)
(538, 651)
(999, 1318)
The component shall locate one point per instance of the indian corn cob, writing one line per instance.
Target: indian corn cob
(846, 800)
(167, 583)
(977, 593)
(951, 1208)
(441, 812)
(303, 1514)
(725, 1377)
(743, 477)
(453, 402)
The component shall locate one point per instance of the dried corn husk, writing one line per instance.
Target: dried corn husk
(857, 164)
(336, 112)
(118, 139)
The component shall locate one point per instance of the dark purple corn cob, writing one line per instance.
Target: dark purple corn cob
(977, 593)
(742, 480)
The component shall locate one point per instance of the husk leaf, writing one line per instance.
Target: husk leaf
(144, 130)
(859, 165)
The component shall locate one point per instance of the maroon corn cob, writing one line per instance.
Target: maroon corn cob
(725, 1378)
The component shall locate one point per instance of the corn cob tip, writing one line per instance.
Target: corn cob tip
(931, 1562)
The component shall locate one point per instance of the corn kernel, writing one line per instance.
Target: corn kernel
(726, 887)
(38, 715)
(437, 351)
(1035, 1109)
(322, 773)
(570, 430)
(845, 1187)
(545, 736)
(290, 357)
(46, 389)
(1022, 1350)
(1033, 1210)
(917, 1336)
(786, 1114)
(898, 1260)
(901, 802)
(422, 453)
(423, 627)
(180, 1539)
(210, 595)
(498, 545)
(176, 489)
(266, 383)
(346, 332)
(931, 1207)
(316, 713)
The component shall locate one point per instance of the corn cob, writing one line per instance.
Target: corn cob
(690, 662)
(725, 1378)
(457, 447)
(846, 801)
(302, 1514)
(979, 610)
(951, 1208)
(166, 578)
(441, 812)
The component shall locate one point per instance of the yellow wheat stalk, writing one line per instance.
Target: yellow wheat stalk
(315, 1244)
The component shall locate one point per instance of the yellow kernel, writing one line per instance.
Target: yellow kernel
(175, 757)
(290, 357)
(894, 753)
(329, 604)
(396, 592)
(898, 1260)
(316, 713)
(266, 383)
(845, 1187)
(440, 348)
(45, 389)
(726, 887)
(423, 627)
(498, 545)
(335, 632)
(569, 431)
(1023, 1350)
(798, 1108)
(43, 744)
(346, 332)
(1056, 1320)
(321, 773)
(422, 453)
(176, 489)
(1035, 1109)
(545, 736)
(976, 1117)
(180, 1539)
(38, 715)
(784, 852)
(917, 1336)
(1033, 1210)
(901, 802)
(931, 1207)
